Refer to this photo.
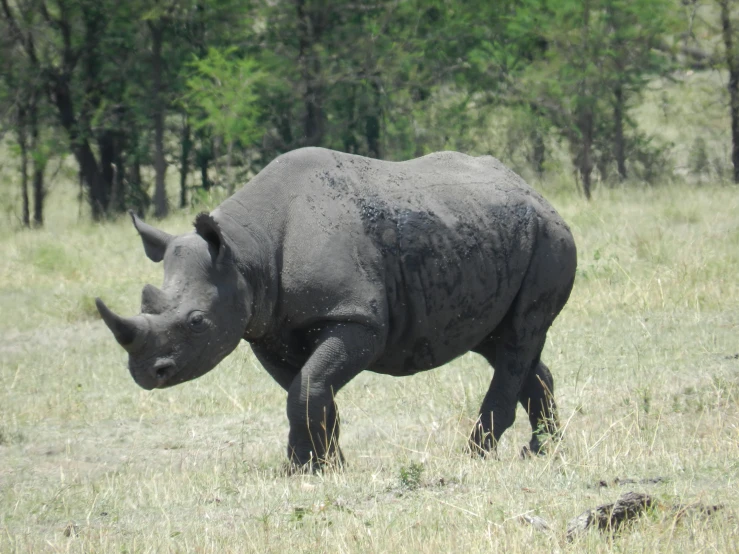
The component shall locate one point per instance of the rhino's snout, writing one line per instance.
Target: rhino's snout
(163, 371)
(161, 374)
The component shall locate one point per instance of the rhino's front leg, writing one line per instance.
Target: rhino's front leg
(342, 350)
(279, 369)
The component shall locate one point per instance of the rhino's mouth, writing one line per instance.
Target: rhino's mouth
(162, 371)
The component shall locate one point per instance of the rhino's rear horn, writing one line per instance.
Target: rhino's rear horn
(153, 300)
(129, 332)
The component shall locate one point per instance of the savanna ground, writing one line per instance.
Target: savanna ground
(646, 364)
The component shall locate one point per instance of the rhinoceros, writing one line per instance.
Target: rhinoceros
(329, 264)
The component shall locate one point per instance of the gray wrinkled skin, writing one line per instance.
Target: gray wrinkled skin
(330, 264)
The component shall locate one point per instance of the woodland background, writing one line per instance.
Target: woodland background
(153, 105)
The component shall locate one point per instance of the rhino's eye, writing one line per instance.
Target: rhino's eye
(197, 322)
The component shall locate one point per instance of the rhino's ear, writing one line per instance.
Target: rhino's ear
(208, 228)
(155, 241)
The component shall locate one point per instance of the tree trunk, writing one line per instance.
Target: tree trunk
(83, 153)
(313, 123)
(372, 123)
(91, 175)
(217, 161)
(732, 62)
(284, 128)
(92, 97)
(350, 136)
(117, 192)
(616, 26)
(202, 160)
(23, 144)
(203, 155)
(39, 165)
(539, 149)
(310, 28)
(161, 207)
(585, 158)
(185, 162)
(134, 185)
(204, 179)
(229, 176)
(618, 122)
(538, 152)
(585, 114)
(38, 192)
(106, 149)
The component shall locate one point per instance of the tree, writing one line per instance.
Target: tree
(195, 27)
(599, 56)
(68, 65)
(390, 79)
(222, 99)
(156, 27)
(731, 61)
(635, 29)
(23, 82)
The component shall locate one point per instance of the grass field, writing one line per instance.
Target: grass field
(646, 364)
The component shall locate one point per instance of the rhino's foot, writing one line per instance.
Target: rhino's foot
(311, 468)
(534, 448)
(310, 464)
(480, 453)
(541, 444)
(481, 443)
(528, 451)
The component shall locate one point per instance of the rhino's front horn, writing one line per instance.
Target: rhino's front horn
(129, 332)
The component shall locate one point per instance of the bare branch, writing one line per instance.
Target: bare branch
(15, 29)
(47, 17)
(69, 55)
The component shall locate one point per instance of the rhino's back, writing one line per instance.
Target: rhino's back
(441, 181)
(431, 251)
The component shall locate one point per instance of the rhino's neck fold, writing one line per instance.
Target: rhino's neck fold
(254, 256)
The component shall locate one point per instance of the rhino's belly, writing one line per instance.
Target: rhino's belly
(438, 338)
(439, 312)
(423, 354)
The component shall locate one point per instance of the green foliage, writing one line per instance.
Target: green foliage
(222, 96)
(649, 158)
(410, 475)
(246, 81)
(600, 55)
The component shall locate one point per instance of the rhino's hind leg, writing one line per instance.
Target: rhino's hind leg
(514, 347)
(537, 398)
(514, 362)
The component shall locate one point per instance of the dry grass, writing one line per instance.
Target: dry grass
(645, 358)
